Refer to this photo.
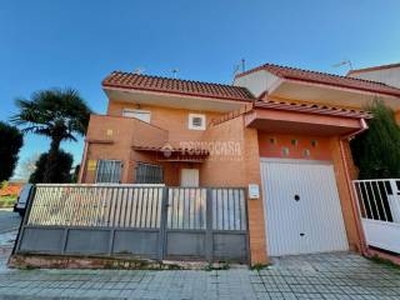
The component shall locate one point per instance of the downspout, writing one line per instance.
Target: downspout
(360, 230)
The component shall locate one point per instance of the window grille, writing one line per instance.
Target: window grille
(108, 171)
(149, 173)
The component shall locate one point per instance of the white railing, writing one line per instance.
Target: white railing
(379, 207)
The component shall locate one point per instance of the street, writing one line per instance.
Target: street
(9, 220)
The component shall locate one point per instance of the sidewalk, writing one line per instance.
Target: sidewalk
(323, 276)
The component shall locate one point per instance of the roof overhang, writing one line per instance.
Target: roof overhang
(278, 121)
(315, 92)
(170, 154)
(140, 97)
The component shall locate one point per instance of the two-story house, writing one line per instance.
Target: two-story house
(282, 129)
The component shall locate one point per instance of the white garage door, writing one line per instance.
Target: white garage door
(302, 206)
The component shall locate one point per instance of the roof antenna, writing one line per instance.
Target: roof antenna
(344, 63)
(243, 64)
(174, 73)
(139, 71)
(239, 68)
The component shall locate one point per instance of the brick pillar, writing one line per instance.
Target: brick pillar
(255, 206)
(343, 163)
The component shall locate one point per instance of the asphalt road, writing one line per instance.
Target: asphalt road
(9, 220)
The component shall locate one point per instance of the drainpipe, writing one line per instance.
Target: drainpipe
(360, 230)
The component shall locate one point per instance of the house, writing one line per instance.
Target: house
(187, 170)
(388, 74)
(283, 129)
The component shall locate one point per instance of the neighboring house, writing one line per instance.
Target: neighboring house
(284, 129)
(389, 74)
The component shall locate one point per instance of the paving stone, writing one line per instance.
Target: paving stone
(322, 276)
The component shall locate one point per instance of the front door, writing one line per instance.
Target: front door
(302, 206)
(190, 177)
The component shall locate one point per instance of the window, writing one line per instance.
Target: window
(149, 173)
(108, 171)
(197, 122)
(142, 115)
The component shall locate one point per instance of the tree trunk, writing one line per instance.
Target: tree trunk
(51, 160)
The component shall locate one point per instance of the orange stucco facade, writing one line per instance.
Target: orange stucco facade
(116, 137)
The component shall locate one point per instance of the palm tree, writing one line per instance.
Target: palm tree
(60, 114)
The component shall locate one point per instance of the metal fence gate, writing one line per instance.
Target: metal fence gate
(147, 221)
(379, 207)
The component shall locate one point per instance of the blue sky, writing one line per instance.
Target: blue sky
(72, 43)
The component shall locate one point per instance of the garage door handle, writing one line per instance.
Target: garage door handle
(302, 234)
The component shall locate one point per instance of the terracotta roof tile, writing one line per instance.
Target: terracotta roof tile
(313, 109)
(176, 86)
(326, 78)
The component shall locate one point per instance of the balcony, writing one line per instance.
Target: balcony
(126, 132)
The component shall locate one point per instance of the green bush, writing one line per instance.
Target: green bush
(376, 152)
(62, 163)
(12, 141)
(7, 201)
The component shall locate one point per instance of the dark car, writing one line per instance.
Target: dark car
(20, 205)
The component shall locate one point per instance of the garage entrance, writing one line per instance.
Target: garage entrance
(302, 207)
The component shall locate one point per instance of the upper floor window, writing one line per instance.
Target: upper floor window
(197, 122)
(143, 115)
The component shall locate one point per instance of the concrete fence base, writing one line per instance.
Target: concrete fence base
(34, 261)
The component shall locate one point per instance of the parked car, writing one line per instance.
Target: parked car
(22, 200)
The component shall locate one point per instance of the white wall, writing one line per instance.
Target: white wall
(256, 82)
(389, 76)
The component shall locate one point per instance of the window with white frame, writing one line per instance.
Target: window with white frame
(108, 171)
(143, 115)
(197, 122)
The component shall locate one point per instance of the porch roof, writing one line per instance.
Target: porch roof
(300, 118)
(172, 154)
(312, 108)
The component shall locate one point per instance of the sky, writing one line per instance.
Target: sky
(75, 43)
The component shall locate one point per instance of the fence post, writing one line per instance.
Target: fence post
(24, 220)
(162, 243)
(209, 227)
(394, 202)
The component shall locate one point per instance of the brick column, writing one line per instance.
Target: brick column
(343, 163)
(255, 206)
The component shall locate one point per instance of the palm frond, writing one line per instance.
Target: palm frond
(57, 113)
